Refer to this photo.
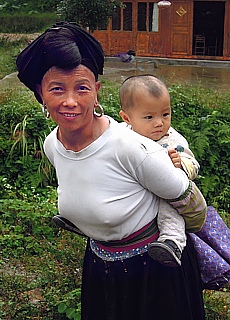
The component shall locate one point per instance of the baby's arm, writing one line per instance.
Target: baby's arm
(183, 158)
(192, 206)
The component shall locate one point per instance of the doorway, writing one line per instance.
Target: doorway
(208, 25)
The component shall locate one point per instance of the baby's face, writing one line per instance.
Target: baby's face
(150, 116)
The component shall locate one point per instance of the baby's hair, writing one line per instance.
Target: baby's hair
(148, 82)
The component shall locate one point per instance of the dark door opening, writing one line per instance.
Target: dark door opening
(208, 28)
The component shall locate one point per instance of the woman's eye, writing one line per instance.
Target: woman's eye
(82, 88)
(55, 89)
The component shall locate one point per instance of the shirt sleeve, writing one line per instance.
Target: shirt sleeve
(49, 145)
(158, 174)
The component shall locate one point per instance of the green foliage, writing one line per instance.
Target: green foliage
(216, 305)
(202, 116)
(90, 14)
(23, 129)
(29, 6)
(40, 265)
(109, 99)
(26, 22)
(70, 305)
(9, 49)
(26, 214)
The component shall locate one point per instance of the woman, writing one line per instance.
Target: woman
(109, 183)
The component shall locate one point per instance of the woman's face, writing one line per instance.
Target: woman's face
(70, 96)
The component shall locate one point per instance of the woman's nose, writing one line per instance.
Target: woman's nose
(70, 101)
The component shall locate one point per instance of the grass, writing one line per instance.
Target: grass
(40, 265)
(34, 285)
(9, 49)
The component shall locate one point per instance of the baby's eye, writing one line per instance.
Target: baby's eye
(166, 114)
(148, 117)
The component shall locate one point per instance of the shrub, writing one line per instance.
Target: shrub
(23, 129)
(26, 23)
(202, 116)
(13, 6)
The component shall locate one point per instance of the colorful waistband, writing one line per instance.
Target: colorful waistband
(136, 243)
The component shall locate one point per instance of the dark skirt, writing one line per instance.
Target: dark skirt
(140, 288)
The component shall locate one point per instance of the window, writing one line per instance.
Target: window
(147, 19)
(141, 16)
(116, 21)
(124, 15)
(127, 16)
(153, 17)
(102, 26)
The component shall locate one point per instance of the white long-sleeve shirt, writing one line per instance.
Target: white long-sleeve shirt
(110, 189)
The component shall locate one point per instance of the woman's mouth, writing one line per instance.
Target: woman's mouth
(70, 115)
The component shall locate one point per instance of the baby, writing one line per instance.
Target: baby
(146, 109)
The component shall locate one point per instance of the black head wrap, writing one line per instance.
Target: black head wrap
(64, 45)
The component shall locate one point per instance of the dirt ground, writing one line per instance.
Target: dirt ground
(18, 36)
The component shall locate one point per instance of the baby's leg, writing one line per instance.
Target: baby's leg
(172, 240)
(171, 225)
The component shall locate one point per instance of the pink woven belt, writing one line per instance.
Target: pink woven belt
(132, 245)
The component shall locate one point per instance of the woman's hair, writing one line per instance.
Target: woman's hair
(147, 82)
(64, 45)
(60, 49)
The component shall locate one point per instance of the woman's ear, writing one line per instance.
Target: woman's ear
(124, 116)
(98, 85)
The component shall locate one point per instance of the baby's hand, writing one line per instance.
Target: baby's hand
(175, 157)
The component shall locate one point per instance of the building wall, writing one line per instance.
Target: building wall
(165, 32)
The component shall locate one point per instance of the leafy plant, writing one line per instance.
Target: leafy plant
(71, 306)
(22, 132)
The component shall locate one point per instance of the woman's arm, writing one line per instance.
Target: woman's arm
(165, 181)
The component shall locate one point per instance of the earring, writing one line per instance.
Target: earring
(45, 112)
(100, 112)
